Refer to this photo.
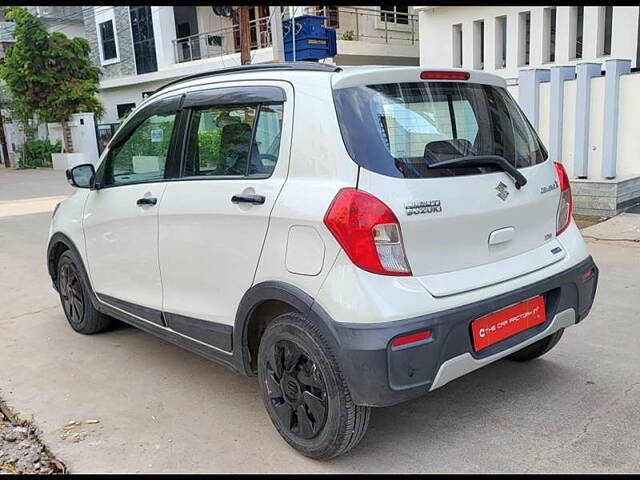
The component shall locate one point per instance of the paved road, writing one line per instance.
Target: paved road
(163, 409)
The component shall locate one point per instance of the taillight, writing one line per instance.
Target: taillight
(368, 231)
(565, 207)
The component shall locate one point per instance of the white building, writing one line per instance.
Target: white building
(503, 40)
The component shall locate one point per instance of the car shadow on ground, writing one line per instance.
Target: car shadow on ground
(497, 398)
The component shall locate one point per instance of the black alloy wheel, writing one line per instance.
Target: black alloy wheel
(296, 390)
(75, 296)
(303, 390)
(71, 294)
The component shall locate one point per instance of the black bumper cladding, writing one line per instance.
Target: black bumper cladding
(379, 376)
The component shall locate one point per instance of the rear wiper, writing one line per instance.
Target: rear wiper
(483, 161)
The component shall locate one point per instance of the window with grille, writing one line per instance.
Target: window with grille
(395, 14)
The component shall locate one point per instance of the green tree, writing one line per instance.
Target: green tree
(49, 74)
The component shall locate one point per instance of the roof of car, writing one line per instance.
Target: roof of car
(341, 77)
(300, 66)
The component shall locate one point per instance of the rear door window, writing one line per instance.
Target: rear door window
(398, 129)
(232, 141)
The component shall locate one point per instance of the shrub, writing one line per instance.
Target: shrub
(37, 153)
(348, 35)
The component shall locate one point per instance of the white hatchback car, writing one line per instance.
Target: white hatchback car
(354, 237)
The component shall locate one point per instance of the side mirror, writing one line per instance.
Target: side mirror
(82, 176)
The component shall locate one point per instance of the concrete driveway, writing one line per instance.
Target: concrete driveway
(163, 409)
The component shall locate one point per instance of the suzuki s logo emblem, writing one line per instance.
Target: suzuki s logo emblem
(503, 193)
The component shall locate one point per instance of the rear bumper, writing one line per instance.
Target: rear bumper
(378, 376)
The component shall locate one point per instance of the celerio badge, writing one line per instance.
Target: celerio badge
(549, 188)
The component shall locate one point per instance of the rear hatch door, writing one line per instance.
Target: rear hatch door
(465, 227)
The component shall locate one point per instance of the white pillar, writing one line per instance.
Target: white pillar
(624, 33)
(276, 34)
(467, 44)
(164, 32)
(558, 75)
(584, 72)
(537, 36)
(590, 33)
(529, 92)
(563, 27)
(512, 45)
(613, 69)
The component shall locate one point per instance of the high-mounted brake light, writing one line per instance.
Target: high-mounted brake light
(368, 231)
(443, 75)
(565, 206)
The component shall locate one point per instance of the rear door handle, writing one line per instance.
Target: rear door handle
(147, 201)
(254, 199)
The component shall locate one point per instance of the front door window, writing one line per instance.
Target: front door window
(143, 156)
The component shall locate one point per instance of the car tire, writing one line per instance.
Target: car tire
(538, 348)
(75, 299)
(304, 391)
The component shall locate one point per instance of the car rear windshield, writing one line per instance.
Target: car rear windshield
(398, 129)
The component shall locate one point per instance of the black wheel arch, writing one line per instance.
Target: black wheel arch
(291, 298)
(58, 244)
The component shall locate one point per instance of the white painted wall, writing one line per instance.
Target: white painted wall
(354, 47)
(83, 135)
(596, 116)
(628, 131)
(436, 36)
(112, 97)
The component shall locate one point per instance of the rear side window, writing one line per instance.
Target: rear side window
(398, 129)
(233, 140)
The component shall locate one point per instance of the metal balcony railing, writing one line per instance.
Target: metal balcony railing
(221, 42)
(370, 24)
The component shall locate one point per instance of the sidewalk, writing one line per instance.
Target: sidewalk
(623, 227)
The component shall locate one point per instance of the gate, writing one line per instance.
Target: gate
(104, 132)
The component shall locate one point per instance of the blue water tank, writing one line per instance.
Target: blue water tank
(313, 40)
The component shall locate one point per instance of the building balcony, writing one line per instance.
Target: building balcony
(371, 24)
(362, 31)
(220, 42)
